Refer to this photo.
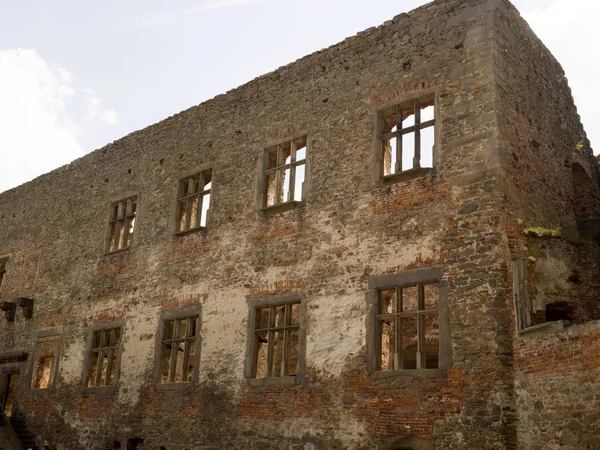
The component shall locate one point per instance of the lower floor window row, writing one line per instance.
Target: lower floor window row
(407, 330)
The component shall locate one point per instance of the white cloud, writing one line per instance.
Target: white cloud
(568, 28)
(92, 108)
(109, 116)
(94, 111)
(39, 133)
(163, 17)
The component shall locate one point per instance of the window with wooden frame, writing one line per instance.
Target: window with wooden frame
(275, 340)
(121, 224)
(406, 137)
(193, 201)
(179, 350)
(409, 328)
(284, 173)
(104, 357)
(3, 264)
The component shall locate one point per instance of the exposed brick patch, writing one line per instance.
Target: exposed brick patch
(282, 225)
(277, 288)
(409, 195)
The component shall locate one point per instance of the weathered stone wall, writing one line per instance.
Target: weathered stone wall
(546, 152)
(540, 128)
(54, 229)
(557, 384)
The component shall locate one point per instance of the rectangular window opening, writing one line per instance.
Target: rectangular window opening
(44, 363)
(121, 224)
(178, 350)
(103, 358)
(408, 327)
(285, 172)
(193, 201)
(276, 341)
(407, 136)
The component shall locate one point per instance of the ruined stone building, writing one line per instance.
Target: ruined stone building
(391, 243)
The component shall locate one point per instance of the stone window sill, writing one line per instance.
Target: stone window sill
(101, 391)
(191, 230)
(277, 381)
(44, 391)
(117, 252)
(270, 211)
(413, 373)
(406, 175)
(173, 386)
(544, 328)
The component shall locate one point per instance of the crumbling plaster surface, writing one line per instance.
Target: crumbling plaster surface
(550, 276)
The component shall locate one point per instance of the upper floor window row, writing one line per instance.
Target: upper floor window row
(406, 139)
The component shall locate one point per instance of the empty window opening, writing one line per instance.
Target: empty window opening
(409, 328)
(285, 172)
(45, 365)
(276, 341)
(121, 224)
(3, 263)
(407, 136)
(178, 350)
(10, 395)
(193, 201)
(103, 357)
(558, 311)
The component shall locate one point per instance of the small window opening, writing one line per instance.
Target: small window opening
(285, 172)
(407, 136)
(121, 224)
(44, 368)
(11, 393)
(276, 341)
(193, 201)
(558, 311)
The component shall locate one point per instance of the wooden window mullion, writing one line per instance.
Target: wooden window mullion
(200, 197)
(286, 339)
(421, 328)
(174, 345)
(398, 140)
(188, 202)
(279, 177)
(292, 189)
(111, 350)
(98, 368)
(270, 342)
(417, 156)
(399, 354)
(186, 347)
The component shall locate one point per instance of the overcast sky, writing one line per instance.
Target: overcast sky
(76, 75)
